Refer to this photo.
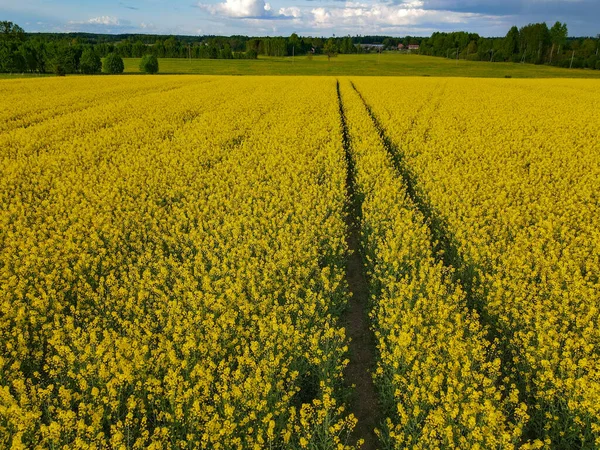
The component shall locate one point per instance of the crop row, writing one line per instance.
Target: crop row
(437, 374)
(172, 269)
(173, 254)
(509, 171)
(23, 107)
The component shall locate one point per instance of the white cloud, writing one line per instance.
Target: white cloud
(361, 16)
(253, 11)
(380, 16)
(100, 20)
(321, 16)
(240, 8)
(413, 4)
(104, 20)
(292, 11)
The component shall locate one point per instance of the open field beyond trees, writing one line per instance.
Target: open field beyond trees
(386, 64)
(301, 262)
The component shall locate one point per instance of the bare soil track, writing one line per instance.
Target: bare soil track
(364, 402)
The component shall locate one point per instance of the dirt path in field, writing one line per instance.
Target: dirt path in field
(443, 243)
(364, 402)
(445, 247)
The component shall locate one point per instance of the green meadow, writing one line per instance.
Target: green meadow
(9, 76)
(385, 64)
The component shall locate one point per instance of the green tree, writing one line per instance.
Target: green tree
(472, 48)
(225, 52)
(511, 42)
(113, 64)
(41, 55)
(30, 56)
(330, 49)
(171, 47)
(588, 48)
(123, 49)
(11, 32)
(59, 65)
(535, 39)
(138, 49)
(212, 51)
(149, 64)
(253, 44)
(558, 36)
(15, 62)
(159, 48)
(90, 62)
(347, 46)
(64, 59)
(294, 45)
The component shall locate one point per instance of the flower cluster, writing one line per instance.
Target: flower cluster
(172, 264)
(511, 168)
(436, 372)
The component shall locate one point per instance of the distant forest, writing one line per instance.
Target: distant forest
(50, 52)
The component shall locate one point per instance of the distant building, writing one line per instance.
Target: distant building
(371, 46)
(413, 47)
(400, 46)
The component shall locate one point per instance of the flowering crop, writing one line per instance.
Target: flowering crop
(436, 370)
(511, 169)
(172, 264)
(173, 254)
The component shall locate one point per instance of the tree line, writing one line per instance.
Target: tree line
(534, 43)
(81, 52)
(62, 53)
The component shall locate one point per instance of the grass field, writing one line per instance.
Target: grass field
(387, 64)
(9, 76)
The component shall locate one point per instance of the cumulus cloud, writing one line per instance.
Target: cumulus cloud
(101, 21)
(352, 16)
(292, 11)
(100, 24)
(104, 20)
(504, 7)
(240, 8)
(325, 17)
(253, 11)
(321, 16)
(379, 16)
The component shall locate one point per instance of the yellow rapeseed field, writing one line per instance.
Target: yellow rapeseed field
(434, 359)
(173, 257)
(511, 170)
(171, 264)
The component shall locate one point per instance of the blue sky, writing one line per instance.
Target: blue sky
(305, 17)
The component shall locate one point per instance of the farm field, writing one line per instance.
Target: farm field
(386, 64)
(176, 261)
(12, 76)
